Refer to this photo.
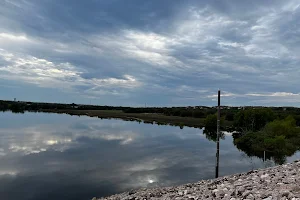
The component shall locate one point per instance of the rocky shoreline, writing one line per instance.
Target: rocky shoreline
(280, 182)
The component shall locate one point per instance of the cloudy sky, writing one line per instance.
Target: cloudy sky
(159, 52)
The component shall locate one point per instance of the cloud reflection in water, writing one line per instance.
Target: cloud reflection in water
(51, 156)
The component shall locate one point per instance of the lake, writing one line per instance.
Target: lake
(52, 156)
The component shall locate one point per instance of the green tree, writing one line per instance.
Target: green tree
(286, 128)
(279, 139)
(211, 121)
(253, 119)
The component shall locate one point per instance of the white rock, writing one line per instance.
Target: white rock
(215, 190)
(264, 176)
(268, 198)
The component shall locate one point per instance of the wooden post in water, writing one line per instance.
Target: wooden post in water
(218, 135)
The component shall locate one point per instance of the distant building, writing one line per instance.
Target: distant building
(15, 99)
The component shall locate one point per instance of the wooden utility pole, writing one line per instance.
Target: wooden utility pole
(218, 135)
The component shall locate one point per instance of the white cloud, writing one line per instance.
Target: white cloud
(148, 47)
(38, 71)
(127, 82)
(291, 6)
(151, 41)
(12, 37)
(8, 172)
(26, 149)
(45, 73)
(224, 94)
(230, 44)
(275, 94)
(57, 141)
(203, 25)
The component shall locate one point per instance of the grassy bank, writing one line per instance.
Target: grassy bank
(140, 117)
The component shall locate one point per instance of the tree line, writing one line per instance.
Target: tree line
(243, 117)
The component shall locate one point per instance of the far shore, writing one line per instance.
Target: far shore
(151, 118)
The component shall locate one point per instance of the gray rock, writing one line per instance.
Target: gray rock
(251, 197)
(246, 193)
(285, 193)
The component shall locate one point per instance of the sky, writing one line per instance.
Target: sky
(158, 52)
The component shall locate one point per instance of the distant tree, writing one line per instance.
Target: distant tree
(198, 114)
(253, 119)
(211, 121)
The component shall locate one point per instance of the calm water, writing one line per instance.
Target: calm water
(50, 156)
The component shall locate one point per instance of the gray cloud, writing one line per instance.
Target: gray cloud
(136, 51)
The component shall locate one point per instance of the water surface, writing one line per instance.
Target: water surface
(51, 156)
